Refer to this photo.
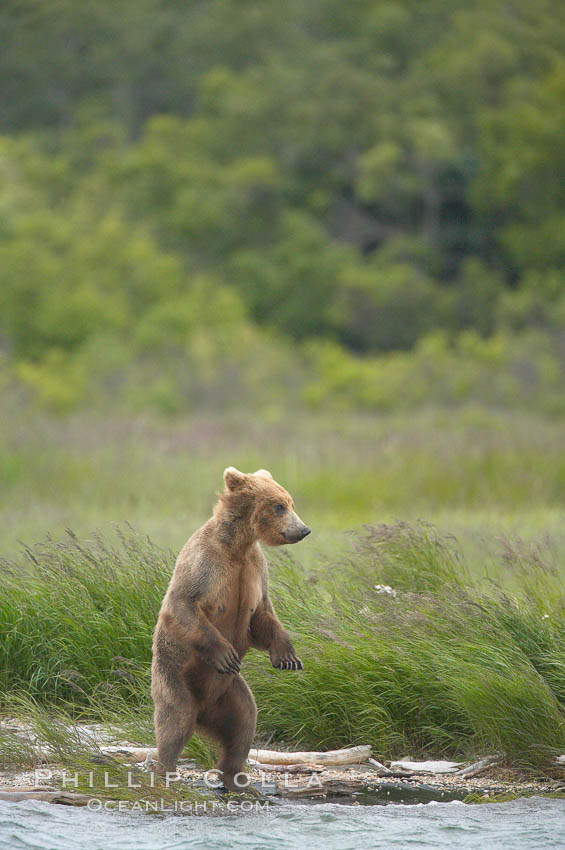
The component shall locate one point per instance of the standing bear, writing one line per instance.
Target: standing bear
(216, 607)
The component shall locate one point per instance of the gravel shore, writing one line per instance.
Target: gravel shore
(494, 782)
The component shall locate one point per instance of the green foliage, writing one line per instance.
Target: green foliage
(291, 286)
(502, 370)
(181, 182)
(386, 306)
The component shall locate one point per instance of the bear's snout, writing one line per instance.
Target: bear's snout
(297, 531)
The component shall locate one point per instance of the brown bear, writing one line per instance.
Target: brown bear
(216, 607)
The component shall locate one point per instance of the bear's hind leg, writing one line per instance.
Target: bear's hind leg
(174, 726)
(175, 719)
(231, 721)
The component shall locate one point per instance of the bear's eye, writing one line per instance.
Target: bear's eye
(280, 509)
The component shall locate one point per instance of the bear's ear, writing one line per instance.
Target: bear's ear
(264, 473)
(233, 478)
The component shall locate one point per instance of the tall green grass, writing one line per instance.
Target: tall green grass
(443, 666)
(472, 470)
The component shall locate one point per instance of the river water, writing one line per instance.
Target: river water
(525, 824)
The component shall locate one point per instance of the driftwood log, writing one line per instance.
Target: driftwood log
(380, 768)
(329, 787)
(478, 767)
(418, 767)
(288, 768)
(136, 754)
(65, 797)
(298, 791)
(350, 755)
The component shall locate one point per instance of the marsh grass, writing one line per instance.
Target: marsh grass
(444, 666)
(468, 469)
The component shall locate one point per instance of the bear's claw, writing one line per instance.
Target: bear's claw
(229, 662)
(292, 663)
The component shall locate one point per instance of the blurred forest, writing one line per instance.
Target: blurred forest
(226, 203)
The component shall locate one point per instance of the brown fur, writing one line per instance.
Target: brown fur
(217, 606)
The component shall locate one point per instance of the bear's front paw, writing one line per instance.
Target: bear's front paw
(287, 661)
(227, 661)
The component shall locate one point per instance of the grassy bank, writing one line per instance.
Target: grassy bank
(472, 472)
(444, 666)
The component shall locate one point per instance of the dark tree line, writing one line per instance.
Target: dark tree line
(364, 173)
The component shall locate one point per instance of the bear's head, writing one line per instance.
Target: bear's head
(265, 506)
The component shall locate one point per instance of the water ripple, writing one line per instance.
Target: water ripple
(528, 824)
